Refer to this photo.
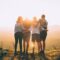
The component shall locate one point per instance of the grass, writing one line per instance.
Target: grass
(51, 55)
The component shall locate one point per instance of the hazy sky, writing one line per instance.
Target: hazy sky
(11, 9)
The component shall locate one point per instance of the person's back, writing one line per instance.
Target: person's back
(43, 24)
(18, 28)
(43, 32)
(26, 34)
(35, 32)
(18, 34)
(35, 29)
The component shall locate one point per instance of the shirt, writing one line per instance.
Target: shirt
(43, 24)
(18, 28)
(35, 30)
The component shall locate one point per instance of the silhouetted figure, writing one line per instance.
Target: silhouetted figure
(18, 34)
(35, 32)
(43, 33)
(26, 35)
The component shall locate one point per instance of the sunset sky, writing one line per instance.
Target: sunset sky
(11, 9)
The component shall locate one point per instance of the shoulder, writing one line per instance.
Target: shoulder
(15, 24)
(46, 21)
(39, 21)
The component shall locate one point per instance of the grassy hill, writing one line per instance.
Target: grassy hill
(52, 40)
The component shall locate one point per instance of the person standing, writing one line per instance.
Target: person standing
(18, 34)
(43, 32)
(35, 32)
(26, 35)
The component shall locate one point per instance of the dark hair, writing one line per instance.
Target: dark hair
(43, 15)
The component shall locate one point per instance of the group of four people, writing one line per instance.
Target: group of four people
(25, 29)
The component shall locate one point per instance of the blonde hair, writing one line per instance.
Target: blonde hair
(19, 19)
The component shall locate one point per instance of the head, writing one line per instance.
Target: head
(43, 16)
(20, 19)
(34, 18)
(27, 23)
(34, 21)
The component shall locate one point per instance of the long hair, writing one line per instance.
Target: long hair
(19, 19)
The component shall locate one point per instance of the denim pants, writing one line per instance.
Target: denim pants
(18, 37)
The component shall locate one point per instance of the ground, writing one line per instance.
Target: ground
(49, 55)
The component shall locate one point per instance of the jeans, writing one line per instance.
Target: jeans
(18, 37)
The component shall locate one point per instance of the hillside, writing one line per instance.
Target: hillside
(52, 40)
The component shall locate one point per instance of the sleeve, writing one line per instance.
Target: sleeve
(15, 28)
(39, 25)
(46, 25)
